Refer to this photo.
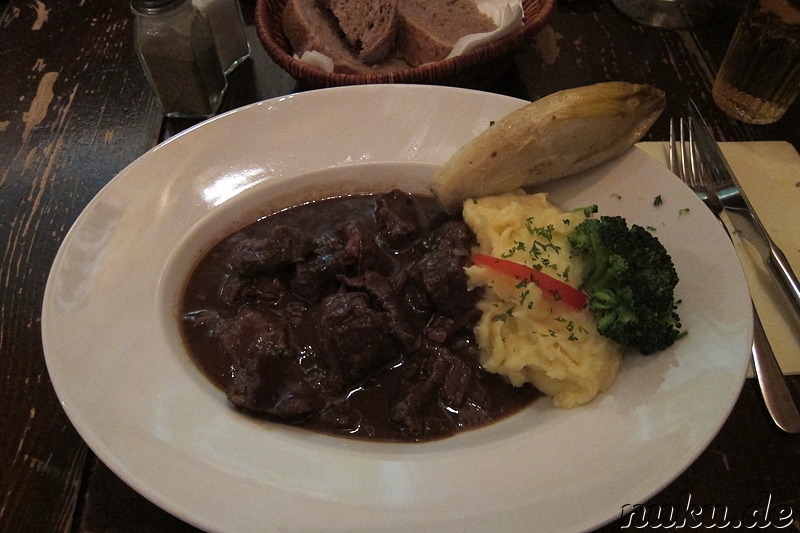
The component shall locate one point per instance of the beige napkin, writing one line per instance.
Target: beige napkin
(769, 173)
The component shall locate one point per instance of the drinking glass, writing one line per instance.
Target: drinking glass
(666, 13)
(760, 75)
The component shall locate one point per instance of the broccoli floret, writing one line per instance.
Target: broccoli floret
(630, 283)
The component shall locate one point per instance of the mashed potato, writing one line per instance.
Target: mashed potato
(524, 334)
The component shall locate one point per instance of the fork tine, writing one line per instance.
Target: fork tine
(673, 149)
(690, 163)
(697, 170)
(682, 157)
(694, 177)
(685, 176)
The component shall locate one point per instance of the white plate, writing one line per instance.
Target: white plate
(126, 383)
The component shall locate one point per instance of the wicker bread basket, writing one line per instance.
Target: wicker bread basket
(270, 33)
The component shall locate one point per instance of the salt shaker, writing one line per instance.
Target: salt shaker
(225, 17)
(176, 47)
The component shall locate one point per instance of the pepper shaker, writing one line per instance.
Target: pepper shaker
(225, 17)
(176, 47)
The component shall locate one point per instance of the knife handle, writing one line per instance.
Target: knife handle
(776, 395)
(785, 273)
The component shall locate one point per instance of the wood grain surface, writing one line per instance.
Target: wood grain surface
(73, 112)
(75, 109)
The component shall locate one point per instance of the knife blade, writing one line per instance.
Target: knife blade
(777, 397)
(715, 163)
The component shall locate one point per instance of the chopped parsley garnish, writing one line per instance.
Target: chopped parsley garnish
(508, 313)
(539, 247)
(524, 296)
(518, 245)
(544, 232)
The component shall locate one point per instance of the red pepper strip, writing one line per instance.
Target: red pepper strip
(549, 285)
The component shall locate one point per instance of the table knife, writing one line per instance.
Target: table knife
(774, 390)
(715, 163)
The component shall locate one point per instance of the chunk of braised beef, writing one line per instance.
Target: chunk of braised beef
(252, 332)
(410, 286)
(443, 387)
(267, 376)
(453, 236)
(283, 245)
(231, 287)
(239, 289)
(457, 377)
(449, 329)
(402, 323)
(271, 386)
(282, 389)
(317, 275)
(440, 271)
(443, 276)
(354, 334)
(361, 245)
(293, 312)
(346, 250)
(398, 216)
(384, 297)
(440, 328)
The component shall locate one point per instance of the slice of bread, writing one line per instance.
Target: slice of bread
(309, 26)
(429, 30)
(368, 25)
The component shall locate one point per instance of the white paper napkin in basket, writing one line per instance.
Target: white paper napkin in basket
(769, 173)
(506, 14)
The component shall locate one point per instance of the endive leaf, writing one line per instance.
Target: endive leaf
(558, 135)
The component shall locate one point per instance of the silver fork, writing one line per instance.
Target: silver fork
(684, 163)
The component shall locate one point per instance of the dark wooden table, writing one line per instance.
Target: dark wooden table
(75, 109)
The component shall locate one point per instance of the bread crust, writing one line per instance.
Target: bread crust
(309, 28)
(368, 25)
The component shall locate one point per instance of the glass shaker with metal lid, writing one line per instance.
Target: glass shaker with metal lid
(225, 17)
(180, 59)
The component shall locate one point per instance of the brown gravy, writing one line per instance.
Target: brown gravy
(348, 316)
